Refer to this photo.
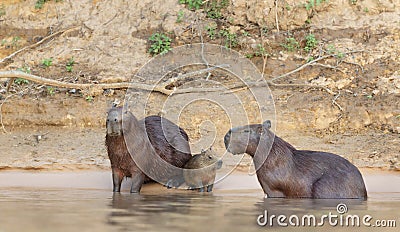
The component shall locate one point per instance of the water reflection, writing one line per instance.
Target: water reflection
(34, 209)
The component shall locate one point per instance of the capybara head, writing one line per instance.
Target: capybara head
(119, 121)
(205, 159)
(245, 139)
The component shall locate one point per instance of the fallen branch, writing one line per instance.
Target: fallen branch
(60, 84)
(147, 87)
(310, 63)
(38, 43)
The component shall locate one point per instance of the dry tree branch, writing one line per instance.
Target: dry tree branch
(60, 84)
(310, 63)
(38, 43)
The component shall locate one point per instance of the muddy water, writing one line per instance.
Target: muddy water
(84, 202)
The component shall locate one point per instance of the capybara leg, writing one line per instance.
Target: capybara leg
(137, 181)
(175, 182)
(202, 189)
(210, 187)
(117, 180)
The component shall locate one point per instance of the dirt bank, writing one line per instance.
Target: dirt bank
(360, 120)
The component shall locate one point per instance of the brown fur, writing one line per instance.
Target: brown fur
(147, 141)
(284, 171)
(201, 169)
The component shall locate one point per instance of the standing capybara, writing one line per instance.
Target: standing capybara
(284, 171)
(147, 140)
(201, 169)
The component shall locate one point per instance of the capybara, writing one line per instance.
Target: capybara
(147, 140)
(284, 171)
(201, 169)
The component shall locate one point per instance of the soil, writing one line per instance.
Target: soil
(50, 128)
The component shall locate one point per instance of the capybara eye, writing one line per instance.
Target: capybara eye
(246, 131)
(108, 120)
(210, 157)
(115, 119)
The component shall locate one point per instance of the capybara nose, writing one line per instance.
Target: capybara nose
(227, 138)
(219, 164)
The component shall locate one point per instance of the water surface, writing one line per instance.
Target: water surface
(84, 202)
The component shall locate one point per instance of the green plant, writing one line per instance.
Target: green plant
(339, 55)
(249, 55)
(40, 3)
(291, 44)
(313, 3)
(89, 98)
(211, 31)
(366, 10)
(246, 34)
(25, 69)
(3, 42)
(231, 39)
(311, 42)
(353, 2)
(213, 8)
(309, 59)
(47, 62)
(330, 49)
(192, 4)
(261, 51)
(398, 116)
(21, 81)
(70, 64)
(160, 44)
(369, 96)
(51, 91)
(2, 10)
(180, 16)
(14, 41)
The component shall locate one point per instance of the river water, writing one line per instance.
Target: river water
(84, 202)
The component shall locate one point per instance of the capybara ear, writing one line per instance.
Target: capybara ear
(267, 124)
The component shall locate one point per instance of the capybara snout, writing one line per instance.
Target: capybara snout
(114, 123)
(244, 139)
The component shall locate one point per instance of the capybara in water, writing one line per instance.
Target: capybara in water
(201, 169)
(284, 171)
(147, 140)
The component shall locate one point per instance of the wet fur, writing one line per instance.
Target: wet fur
(201, 170)
(285, 171)
(146, 141)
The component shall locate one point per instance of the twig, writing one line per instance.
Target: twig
(202, 46)
(359, 65)
(302, 85)
(38, 43)
(182, 77)
(335, 103)
(276, 15)
(309, 63)
(110, 20)
(328, 66)
(264, 57)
